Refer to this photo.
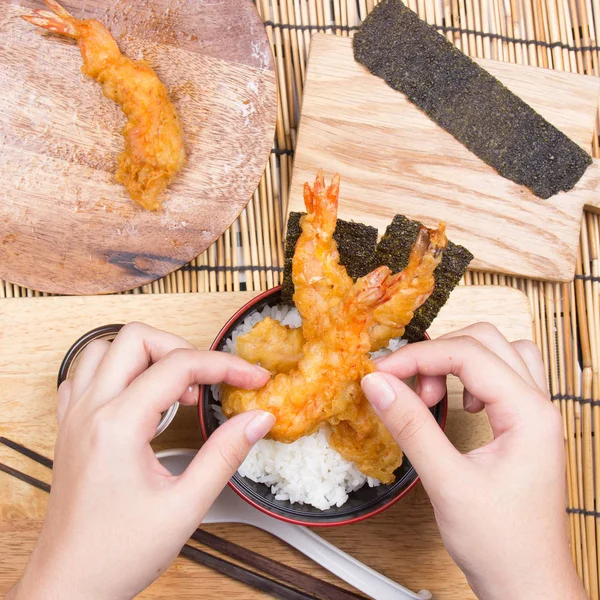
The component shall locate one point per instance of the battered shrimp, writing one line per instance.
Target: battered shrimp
(312, 393)
(362, 438)
(357, 433)
(274, 346)
(154, 150)
(417, 284)
(365, 441)
(320, 281)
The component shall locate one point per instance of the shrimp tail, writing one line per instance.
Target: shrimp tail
(429, 242)
(436, 242)
(351, 317)
(58, 21)
(333, 191)
(309, 199)
(322, 203)
(374, 288)
(319, 186)
(420, 246)
(58, 10)
(439, 241)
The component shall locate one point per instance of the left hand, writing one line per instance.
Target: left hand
(116, 517)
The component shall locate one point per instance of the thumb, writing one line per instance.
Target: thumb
(413, 426)
(65, 390)
(221, 456)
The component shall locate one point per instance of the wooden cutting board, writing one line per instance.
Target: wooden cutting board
(403, 542)
(66, 226)
(393, 159)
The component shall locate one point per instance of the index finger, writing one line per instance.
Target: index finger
(136, 347)
(489, 378)
(163, 383)
(432, 388)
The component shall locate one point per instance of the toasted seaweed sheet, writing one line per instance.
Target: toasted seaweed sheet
(360, 254)
(394, 250)
(356, 245)
(293, 233)
(468, 102)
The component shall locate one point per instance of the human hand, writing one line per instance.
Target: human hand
(500, 508)
(116, 517)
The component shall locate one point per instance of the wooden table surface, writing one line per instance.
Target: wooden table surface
(403, 542)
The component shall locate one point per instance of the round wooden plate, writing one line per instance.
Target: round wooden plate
(66, 226)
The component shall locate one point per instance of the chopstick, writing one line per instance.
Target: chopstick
(40, 485)
(38, 458)
(256, 580)
(311, 585)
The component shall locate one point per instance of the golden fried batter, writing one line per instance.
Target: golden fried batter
(153, 138)
(320, 281)
(365, 441)
(311, 393)
(416, 283)
(274, 346)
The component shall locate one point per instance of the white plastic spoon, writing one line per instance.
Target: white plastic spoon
(230, 508)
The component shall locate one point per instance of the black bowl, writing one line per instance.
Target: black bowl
(360, 505)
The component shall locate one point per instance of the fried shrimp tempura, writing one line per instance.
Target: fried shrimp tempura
(365, 441)
(321, 287)
(154, 150)
(417, 284)
(320, 281)
(311, 393)
(274, 346)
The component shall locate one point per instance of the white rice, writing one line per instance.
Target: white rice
(309, 471)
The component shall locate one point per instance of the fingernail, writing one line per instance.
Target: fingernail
(378, 391)
(194, 392)
(468, 400)
(262, 370)
(259, 426)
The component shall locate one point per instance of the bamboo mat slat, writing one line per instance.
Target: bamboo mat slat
(556, 34)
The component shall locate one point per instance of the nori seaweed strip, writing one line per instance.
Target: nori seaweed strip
(468, 102)
(393, 251)
(396, 243)
(293, 233)
(356, 245)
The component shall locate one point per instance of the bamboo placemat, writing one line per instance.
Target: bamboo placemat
(556, 34)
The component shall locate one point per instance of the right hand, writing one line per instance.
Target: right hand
(500, 508)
